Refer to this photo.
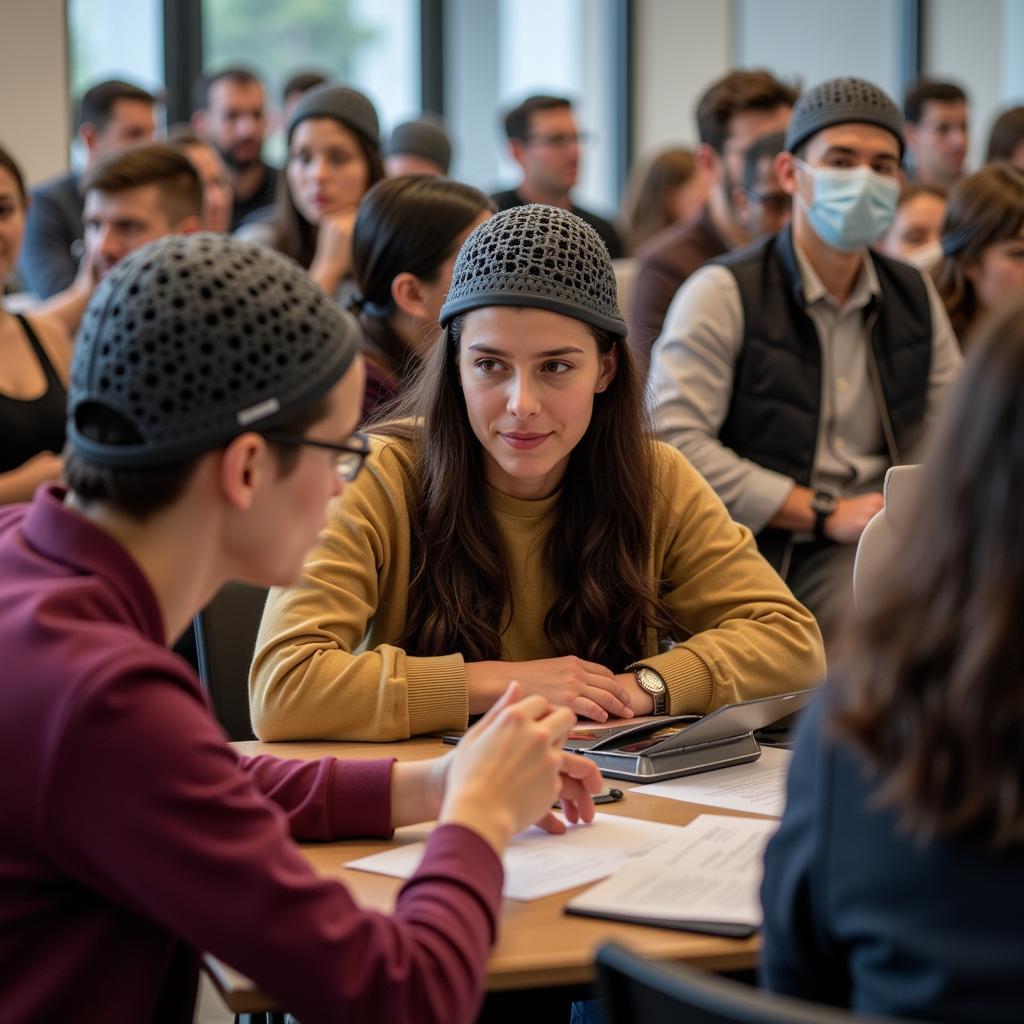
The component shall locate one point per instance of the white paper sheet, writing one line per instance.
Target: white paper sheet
(758, 787)
(538, 864)
(711, 872)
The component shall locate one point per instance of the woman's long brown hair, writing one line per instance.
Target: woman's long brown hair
(645, 206)
(984, 208)
(599, 548)
(932, 676)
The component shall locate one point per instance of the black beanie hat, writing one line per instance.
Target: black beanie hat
(842, 101)
(425, 138)
(539, 256)
(194, 339)
(349, 106)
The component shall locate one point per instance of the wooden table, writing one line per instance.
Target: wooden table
(538, 946)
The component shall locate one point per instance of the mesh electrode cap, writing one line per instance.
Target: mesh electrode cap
(539, 256)
(842, 101)
(194, 339)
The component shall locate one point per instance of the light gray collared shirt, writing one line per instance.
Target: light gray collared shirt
(693, 366)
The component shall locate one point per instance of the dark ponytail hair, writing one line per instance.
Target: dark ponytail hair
(408, 224)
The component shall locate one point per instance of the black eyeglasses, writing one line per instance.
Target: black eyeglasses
(350, 456)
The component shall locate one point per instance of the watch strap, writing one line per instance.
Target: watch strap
(823, 505)
(819, 524)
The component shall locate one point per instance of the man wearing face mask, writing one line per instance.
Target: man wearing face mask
(795, 372)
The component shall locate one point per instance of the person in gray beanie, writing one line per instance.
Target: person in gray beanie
(419, 147)
(517, 521)
(213, 400)
(794, 373)
(334, 157)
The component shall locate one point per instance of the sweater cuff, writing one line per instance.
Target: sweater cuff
(437, 694)
(360, 798)
(687, 678)
(764, 493)
(457, 852)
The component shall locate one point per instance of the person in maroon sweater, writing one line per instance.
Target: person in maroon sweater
(214, 391)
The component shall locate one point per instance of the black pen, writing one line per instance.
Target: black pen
(609, 796)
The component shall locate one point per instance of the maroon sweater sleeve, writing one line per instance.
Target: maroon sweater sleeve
(147, 805)
(327, 799)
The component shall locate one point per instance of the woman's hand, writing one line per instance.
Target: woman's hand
(44, 467)
(586, 688)
(21, 483)
(640, 701)
(333, 257)
(509, 769)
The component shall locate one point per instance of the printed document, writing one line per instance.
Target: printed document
(709, 876)
(538, 864)
(758, 787)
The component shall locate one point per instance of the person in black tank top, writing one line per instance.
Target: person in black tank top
(34, 425)
(31, 429)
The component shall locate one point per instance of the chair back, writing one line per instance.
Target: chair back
(881, 540)
(625, 278)
(226, 638)
(633, 988)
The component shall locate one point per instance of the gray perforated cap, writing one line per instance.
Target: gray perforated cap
(842, 101)
(194, 339)
(539, 256)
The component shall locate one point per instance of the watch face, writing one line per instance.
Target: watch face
(650, 681)
(823, 504)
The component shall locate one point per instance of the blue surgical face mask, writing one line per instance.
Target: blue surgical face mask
(852, 207)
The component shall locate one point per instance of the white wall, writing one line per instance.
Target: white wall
(35, 114)
(1013, 42)
(974, 45)
(814, 40)
(681, 46)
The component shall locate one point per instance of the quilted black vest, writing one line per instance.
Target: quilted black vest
(776, 399)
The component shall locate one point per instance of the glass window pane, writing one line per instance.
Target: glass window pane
(373, 45)
(501, 51)
(133, 51)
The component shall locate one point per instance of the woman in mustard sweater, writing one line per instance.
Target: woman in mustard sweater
(521, 524)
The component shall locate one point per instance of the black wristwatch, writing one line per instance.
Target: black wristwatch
(823, 505)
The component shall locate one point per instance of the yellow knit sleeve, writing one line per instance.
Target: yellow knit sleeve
(750, 637)
(326, 666)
